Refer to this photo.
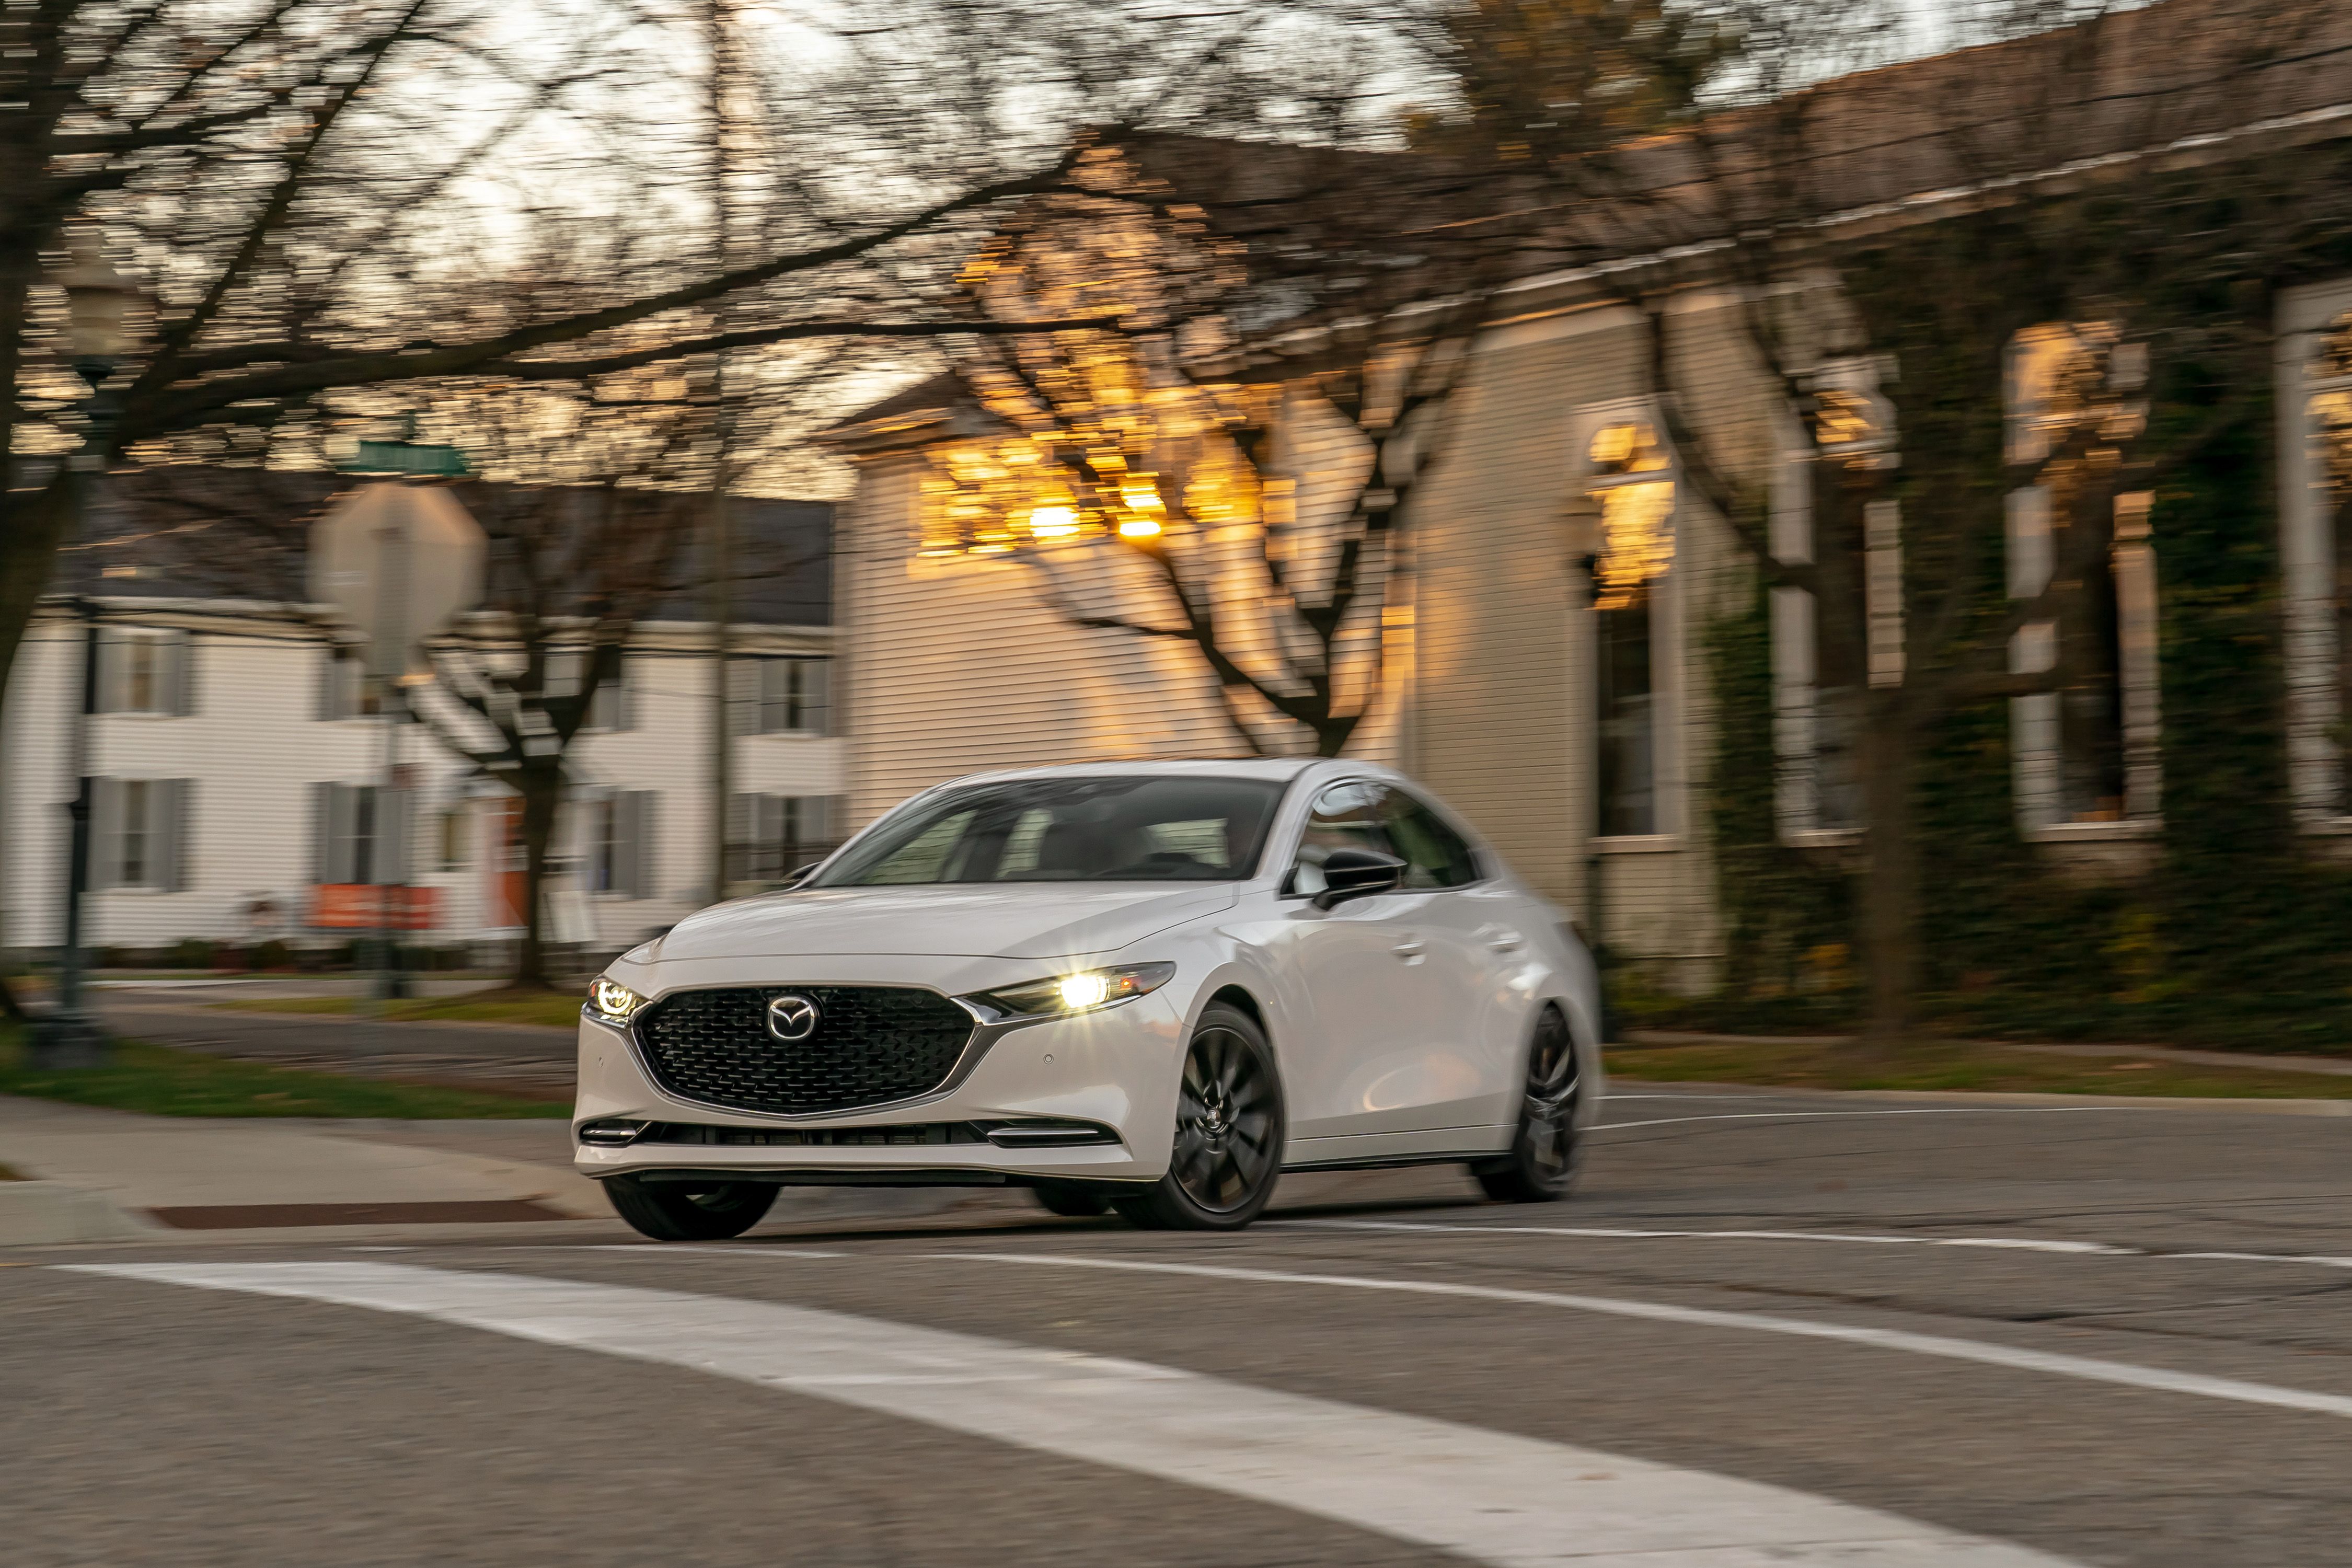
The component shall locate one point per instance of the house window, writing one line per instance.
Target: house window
(2314, 373)
(1629, 480)
(2085, 751)
(345, 691)
(780, 696)
(143, 671)
(608, 707)
(618, 848)
(453, 839)
(1843, 634)
(361, 834)
(139, 833)
(770, 836)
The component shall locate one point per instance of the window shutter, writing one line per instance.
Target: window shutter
(740, 828)
(322, 830)
(329, 674)
(174, 802)
(743, 697)
(113, 674)
(633, 875)
(393, 837)
(775, 696)
(105, 834)
(816, 696)
(179, 674)
(343, 832)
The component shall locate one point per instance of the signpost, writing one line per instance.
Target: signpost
(398, 560)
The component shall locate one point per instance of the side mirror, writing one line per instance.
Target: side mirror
(1358, 874)
(796, 876)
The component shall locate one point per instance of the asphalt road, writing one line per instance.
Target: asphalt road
(1981, 1335)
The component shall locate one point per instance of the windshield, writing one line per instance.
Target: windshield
(1190, 829)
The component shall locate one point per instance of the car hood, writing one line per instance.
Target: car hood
(1036, 920)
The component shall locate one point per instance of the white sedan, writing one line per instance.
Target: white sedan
(1152, 988)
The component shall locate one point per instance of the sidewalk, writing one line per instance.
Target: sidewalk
(111, 1174)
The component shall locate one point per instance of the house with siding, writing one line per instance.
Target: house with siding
(1610, 658)
(239, 762)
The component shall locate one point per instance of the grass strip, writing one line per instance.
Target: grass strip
(160, 1081)
(549, 1009)
(1946, 1065)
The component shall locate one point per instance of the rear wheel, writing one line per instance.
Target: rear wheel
(677, 1211)
(1071, 1199)
(1229, 1131)
(1545, 1151)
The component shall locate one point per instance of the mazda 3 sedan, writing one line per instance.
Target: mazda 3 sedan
(1147, 987)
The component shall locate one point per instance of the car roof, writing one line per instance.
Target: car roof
(1281, 770)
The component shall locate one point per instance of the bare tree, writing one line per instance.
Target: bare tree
(321, 196)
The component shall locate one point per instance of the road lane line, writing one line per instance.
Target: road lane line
(2097, 1371)
(1491, 1496)
(1989, 1243)
(1926, 1111)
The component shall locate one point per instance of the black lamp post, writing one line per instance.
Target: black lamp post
(98, 300)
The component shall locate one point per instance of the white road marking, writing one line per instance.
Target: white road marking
(1994, 1243)
(1925, 1110)
(2097, 1371)
(1488, 1496)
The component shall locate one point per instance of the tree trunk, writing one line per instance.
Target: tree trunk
(541, 789)
(1890, 882)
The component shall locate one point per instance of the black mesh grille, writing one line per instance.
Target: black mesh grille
(872, 1045)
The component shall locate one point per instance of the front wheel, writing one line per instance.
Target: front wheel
(1545, 1151)
(1229, 1131)
(672, 1211)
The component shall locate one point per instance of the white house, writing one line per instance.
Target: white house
(238, 770)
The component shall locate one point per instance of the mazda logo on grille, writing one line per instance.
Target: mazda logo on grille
(791, 1018)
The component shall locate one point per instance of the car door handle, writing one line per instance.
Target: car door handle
(1502, 939)
(1410, 947)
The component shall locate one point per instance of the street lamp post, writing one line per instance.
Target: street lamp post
(98, 300)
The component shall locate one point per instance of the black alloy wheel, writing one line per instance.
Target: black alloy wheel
(1545, 1151)
(1229, 1131)
(1074, 1200)
(680, 1210)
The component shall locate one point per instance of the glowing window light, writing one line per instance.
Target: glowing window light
(1139, 528)
(1054, 521)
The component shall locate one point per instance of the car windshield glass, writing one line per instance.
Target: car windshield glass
(1191, 830)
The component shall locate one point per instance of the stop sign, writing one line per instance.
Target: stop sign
(398, 560)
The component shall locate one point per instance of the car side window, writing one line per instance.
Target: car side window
(1346, 817)
(1434, 854)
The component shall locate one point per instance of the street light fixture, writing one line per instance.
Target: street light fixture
(98, 301)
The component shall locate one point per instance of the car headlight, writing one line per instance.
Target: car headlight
(612, 1002)
(1080, 993)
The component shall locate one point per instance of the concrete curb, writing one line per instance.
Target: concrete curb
(43, 1214)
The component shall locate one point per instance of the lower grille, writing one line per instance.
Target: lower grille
(870, 1044)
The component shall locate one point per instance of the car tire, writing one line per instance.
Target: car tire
(1230, 1127)
(1072, 1200)
(1547, 1147)
(673, 1211)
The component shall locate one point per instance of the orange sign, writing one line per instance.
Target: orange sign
(362, 906)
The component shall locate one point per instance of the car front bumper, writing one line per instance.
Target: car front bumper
(1115, 1070)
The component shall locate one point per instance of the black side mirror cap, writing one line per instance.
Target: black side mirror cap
(1358, 874)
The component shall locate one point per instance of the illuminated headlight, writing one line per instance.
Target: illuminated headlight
(612, 1002)
(1080, 993)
